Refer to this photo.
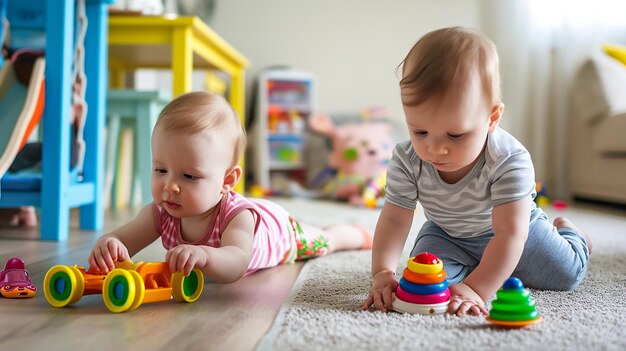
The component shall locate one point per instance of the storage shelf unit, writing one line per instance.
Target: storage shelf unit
(286, 99)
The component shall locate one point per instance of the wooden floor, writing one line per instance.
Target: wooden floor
(226, 317)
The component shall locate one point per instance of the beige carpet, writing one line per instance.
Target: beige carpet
(323, 313)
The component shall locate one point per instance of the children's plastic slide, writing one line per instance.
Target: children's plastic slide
(21, 108)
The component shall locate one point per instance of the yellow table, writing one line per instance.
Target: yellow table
(181, 44)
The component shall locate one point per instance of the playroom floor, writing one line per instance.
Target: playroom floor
(226, 317)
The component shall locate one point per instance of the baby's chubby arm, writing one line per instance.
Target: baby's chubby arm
(502, 254)
(225, 264)
(124, 242)
(391, 232)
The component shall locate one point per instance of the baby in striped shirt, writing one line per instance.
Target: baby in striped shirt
(475, 182)
(201, 221)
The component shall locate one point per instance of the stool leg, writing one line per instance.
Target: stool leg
(134, 179)
(147, 114)
(124, 173)
(110, 175)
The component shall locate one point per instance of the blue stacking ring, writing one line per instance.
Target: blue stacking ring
(423, 289)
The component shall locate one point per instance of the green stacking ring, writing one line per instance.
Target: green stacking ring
(525, 306)
(513, 317)
(513, 295)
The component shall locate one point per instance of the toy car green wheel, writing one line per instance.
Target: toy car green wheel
(140, 290)
(63, 285)
(187, 289)
(119, 290)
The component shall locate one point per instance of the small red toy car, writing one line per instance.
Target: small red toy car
(15, 281)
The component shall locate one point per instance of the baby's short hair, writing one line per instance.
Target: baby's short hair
(200, 111)
(447, 59)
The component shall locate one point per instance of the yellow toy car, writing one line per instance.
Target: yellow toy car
(123, 289)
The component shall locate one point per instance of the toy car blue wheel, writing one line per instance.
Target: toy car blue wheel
(119, 290)
(63, 285)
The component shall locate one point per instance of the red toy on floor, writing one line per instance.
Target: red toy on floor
(15, 280)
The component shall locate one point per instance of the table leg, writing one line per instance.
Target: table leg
(182, 61)
(237, 101)
(117, 78)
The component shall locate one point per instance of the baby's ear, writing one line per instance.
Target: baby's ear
(231, 178)
(495, 116)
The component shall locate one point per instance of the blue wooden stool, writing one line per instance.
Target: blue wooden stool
(137, 110)
(60, 189)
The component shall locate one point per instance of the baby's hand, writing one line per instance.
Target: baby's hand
(185, 258)
(380, 296)
(106, 251)
(465, 299)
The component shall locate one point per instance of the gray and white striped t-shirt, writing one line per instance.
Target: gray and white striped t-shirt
(504, 173)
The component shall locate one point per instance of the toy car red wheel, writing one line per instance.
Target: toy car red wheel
(119, 290)
(187, 289)
(63, 285)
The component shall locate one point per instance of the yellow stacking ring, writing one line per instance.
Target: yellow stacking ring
(421, 268)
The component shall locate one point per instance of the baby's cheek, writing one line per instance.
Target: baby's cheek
(155, 189)
(205, 199)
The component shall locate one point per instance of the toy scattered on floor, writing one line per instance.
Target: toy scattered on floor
(375, 191)
(513, 306)
(542, 199)
(559, 205)
(15, 280)
(123, 289)
(423, 287)
(360, 153)
(256, 190)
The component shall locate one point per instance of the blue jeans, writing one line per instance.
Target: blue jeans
(553, 259)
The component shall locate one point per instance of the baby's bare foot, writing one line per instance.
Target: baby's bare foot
(562, 222)
(28, 217)
(18, 217)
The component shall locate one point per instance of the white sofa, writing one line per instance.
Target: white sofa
(598, 131)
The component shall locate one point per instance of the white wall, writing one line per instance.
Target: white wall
(352, 46)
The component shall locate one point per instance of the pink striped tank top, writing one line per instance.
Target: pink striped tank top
(274, 236)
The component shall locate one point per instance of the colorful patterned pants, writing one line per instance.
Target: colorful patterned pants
(308, 247)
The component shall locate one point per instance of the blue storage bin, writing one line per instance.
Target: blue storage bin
(286, 150)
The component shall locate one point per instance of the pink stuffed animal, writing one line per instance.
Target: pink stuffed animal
(360, 153)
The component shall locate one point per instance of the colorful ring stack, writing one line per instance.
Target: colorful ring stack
(423, 287)
(513, 306)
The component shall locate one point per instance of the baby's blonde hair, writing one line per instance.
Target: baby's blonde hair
(446, 60)
(201, 111)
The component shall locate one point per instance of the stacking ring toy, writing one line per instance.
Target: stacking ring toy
(423, 299)
(513, 307)
(422, 268)
(406, 307)
(423, 289)
(424, 278)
